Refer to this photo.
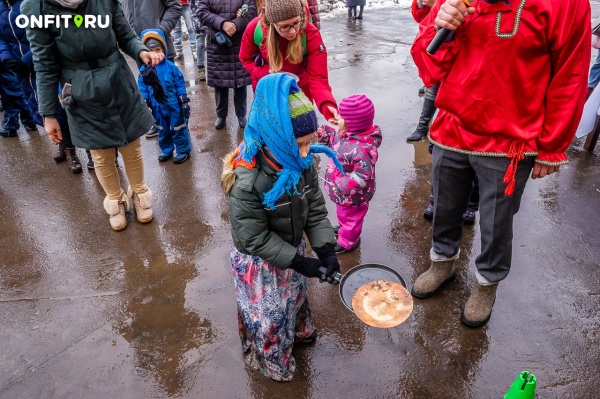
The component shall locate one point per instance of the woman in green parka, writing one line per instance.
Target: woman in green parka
(103, 104)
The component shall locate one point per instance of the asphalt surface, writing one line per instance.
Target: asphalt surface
(150, 312)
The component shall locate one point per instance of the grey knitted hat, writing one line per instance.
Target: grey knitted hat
(280, 10)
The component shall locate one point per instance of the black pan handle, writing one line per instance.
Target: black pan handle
(336, 276)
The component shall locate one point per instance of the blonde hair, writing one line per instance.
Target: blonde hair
(295, 51)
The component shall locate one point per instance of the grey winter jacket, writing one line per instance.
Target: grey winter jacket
(147, 14)
(274, 235)
(224, 68)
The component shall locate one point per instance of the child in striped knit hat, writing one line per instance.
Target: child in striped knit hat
(274, 201)
(356, 145)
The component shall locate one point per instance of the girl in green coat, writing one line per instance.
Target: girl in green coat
(100, 95)
(274, 199)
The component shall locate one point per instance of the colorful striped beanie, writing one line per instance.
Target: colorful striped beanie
(302, 113)
(358, 112)
(271, 125)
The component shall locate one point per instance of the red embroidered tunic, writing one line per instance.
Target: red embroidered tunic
(510, 95)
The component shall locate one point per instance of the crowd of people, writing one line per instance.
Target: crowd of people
(500, 121)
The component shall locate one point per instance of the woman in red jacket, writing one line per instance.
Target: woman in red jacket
(283, 40)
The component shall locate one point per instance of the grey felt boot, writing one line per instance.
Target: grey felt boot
(478, 308)
(439, 273)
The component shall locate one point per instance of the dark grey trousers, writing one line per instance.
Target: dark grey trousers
(453, 175)
(239, 101)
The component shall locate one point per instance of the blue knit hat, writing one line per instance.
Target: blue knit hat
(271, 125)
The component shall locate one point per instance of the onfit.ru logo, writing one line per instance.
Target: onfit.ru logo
(46, 21)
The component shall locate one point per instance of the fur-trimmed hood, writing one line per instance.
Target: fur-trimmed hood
(228, 175)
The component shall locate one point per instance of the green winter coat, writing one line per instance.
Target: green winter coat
(274, 235)
(108, 110)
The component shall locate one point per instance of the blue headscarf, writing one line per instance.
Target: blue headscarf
(269, 125)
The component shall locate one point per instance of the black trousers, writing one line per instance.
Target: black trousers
(453, 175)
(239, 101)
(61, 117)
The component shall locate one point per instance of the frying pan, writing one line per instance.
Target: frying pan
(361, 275)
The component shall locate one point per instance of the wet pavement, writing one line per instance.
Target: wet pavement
(150, 312)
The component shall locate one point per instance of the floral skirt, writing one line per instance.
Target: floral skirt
(273, 313)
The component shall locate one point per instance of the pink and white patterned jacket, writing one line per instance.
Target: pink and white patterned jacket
(357, 152)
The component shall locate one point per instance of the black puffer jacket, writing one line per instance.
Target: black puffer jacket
(223, 63)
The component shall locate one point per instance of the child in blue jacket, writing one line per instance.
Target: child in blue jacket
(169, 105)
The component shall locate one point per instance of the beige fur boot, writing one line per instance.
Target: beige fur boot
(116, 209)
(440, 272)
(478, 308)
(141, 204)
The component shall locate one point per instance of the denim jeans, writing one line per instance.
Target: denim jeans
(188, 23)
(595, 73)
(200, 44)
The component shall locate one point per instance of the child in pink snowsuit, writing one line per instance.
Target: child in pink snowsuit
(356, 145)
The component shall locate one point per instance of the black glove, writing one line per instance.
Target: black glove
(327, 255)
(306, 266)
(149, 103)
(185, 105)
(186, 110)
(16, 65)
(150, 78)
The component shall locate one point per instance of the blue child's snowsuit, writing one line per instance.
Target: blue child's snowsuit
(171, 124)
(14, 45)
(13, 103)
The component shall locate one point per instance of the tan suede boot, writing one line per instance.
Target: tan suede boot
(478, 308)
(141, 204)
(439, 273)
(116, 209)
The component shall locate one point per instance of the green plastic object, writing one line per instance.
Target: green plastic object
(523, 387)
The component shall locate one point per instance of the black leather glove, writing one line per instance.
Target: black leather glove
(16, 65)
(150, 78)
(306, 266)
(327, 255)
(149, 103)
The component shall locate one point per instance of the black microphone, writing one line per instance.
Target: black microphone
(440, 37)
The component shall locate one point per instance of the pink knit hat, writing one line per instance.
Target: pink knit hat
(358, 112)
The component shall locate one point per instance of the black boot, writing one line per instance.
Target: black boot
(60, 156)
(74, 164)
(422, 129)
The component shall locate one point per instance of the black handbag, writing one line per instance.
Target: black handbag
(223, 39)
